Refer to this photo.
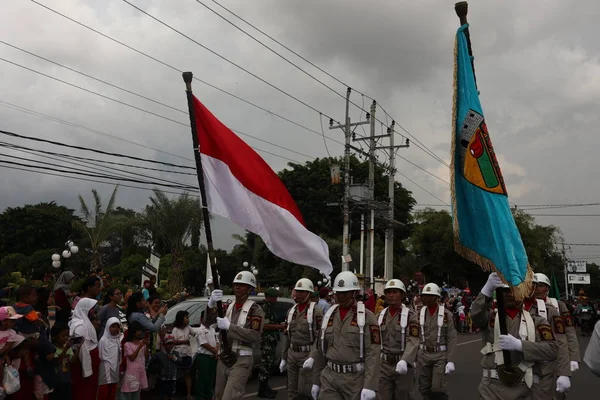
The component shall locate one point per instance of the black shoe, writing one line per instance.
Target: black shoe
(271, 391)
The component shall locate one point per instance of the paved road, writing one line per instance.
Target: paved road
(464, 382)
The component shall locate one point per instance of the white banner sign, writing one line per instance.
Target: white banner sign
(578, 279)
(151, 268)
(579, 267)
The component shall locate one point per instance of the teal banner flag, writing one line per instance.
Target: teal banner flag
(484, 228)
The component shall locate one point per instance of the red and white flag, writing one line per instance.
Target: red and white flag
(241, 187)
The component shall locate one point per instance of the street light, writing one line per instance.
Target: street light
(70, 250)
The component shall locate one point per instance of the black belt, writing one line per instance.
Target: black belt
(345, 368)
(301, 349)
(433, 349)
(391, 358)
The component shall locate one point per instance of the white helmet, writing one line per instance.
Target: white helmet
(345, 281)
(305, 285)
(432, 289)
(395, 284)
(541, 278)
(246, 277)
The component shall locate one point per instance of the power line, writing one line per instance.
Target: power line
(180, 71)
(425, 148)
(100, 168)
(92, 77)
(421, 187)
(89, 180)
(28, 111)
(227, 59)
(14, 146)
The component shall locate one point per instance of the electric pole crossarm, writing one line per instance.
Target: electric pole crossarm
(400, 146)
(350, 125)
(371, 137)
(356, 149)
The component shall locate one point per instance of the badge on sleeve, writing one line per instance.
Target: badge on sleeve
(319, 321)
(255, 321)
(414, 330)
(559, 325)
(546, 332)
(568, 319)
(375, 335)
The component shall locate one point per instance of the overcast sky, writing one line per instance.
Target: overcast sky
(537, 65)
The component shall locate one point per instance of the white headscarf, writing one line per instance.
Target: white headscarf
(110, 348)
(81, 325)
(63, 282)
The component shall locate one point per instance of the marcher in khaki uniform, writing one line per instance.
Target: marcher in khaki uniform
(437, 344)
(243, 323)
(530, 341)
(399, 344)
(560, 370)
(347, 375)
(300, 349)
(543, 286)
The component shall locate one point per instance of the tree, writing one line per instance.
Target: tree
(99, 224)
(172, 222)
(31, 227)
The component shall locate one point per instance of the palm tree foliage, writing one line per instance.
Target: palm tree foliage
(172, 223)
(98, 224)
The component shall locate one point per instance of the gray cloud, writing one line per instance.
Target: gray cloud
(537, 67)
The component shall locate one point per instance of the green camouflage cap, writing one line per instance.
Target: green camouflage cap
(271, 292)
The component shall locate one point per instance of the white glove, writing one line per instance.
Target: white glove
(282, 366)
(216, 295)
(563, 383)
(449, 368)
(493, 283)
(367, 394)
(509, 342)
(308, 364)
(574, 366)
(223, 323)
(315, 391)
(401, 367)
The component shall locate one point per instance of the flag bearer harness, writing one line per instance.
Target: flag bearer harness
(440, 324)
(309, 319)
(526, 332)
(403, 325)
(242, 318)
(360, 321)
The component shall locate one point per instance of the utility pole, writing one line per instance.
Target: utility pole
(346, 200)
(565, 269)
(389, 233)
(371, 230)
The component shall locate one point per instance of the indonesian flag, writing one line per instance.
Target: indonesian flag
(241, 187)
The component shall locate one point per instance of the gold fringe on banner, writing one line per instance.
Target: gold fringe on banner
(525, 288)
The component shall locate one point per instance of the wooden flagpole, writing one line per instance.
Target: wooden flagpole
(227, 356)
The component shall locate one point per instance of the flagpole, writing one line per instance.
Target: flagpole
(462, 8)
(227, 356)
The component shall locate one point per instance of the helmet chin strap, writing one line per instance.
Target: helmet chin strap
(306, 300)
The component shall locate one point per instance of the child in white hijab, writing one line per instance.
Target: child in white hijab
(85, 377)
(110, 359)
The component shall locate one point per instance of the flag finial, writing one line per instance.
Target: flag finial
(187, 78)
(462, 8)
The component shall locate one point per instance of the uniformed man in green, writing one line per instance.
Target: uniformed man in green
(350, 345)
(399, 344)
(299, 352)
(243, 322)
(530, 341)
(438, 342)
(268, 345)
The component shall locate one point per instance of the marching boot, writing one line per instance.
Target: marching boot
(264, 392)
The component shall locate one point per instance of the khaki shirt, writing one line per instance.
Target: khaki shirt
(562, 365)
(448, 335)
(391, 335)
(342, 341)
(250, 334)
(298, 331)
(574, 354)
(545, 347)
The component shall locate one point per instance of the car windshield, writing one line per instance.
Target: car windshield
(190, 307)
